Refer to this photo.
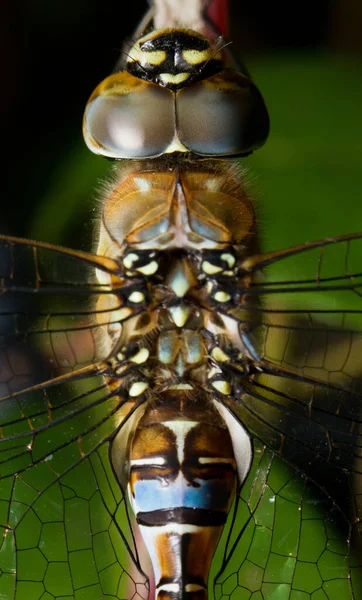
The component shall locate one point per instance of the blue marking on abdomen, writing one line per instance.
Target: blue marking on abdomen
(152, 494)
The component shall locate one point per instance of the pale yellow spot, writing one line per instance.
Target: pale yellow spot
(228, 273)
(213, 184)
(136, 297)
(114, 327)
(180, 283)
(169, 79)
(195, 57)
(219, 355)
(176, 146)
(222, 386)
(213, 371)
(140, 357)
(148, 269)
(179, 314)
(142, 184)
(152, 58)
(181, 386)
(137, 388)
(103, 277)
(209, 268)
(130, 259)
(120, 356)
(121, 314)
(222, 297)
(229, 258)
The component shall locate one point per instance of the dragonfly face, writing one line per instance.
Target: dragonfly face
(150, 109)
(171, 377)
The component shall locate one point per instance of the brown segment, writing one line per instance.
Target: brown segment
(155, 441)
(180, 558)
(152, 441)
(210, 442)
(174, 406)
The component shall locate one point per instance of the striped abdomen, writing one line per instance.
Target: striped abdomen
(182, 484)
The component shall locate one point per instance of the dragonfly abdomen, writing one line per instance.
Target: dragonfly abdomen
(182, 481)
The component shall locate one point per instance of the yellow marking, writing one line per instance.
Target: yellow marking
(148, 269)
(193, 587)
(222, 386)
(140, 357)
(195, 57)
(222, 297)
(213, 371)
(169, 79)
(219, 355)
(180, 283)
(121, 314)
(130, 259)
(229, 258)
(176, 146)
(137, 388)
(181, 386)
(228, 273)
(208, 460)
(120, 356)
(155, 58)
(103, 277)
(136, 297)
(209, 268)
(209, 287)
(179, 314)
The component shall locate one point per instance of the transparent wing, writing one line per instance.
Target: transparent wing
(303, 403)
(63, 521)
(286, 538)
(302, 398)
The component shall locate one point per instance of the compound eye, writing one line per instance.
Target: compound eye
(129, 118)
(224, 115)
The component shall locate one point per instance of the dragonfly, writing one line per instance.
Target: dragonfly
(177, 419)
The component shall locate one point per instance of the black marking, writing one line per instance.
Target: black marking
(182, 516)
(174, 43)
(175, 39)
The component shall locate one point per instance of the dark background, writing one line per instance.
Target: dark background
(55, 52)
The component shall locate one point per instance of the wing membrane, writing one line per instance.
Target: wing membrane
(59, 410)
(55, 315)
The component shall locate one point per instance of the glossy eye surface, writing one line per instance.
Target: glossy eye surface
(222, 116)
(128, 118)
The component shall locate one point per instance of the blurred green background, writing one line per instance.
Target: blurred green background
(305, 57)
